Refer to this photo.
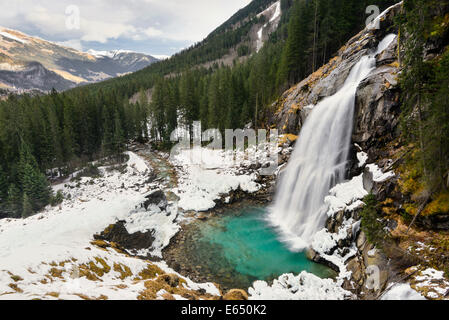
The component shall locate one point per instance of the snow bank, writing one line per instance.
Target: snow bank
(6, 34)
(55, 242)
(362, 157)
(137, 162)
(63, 231)
(402, 291)
(378, 174)
(163, 225)
(304, 286)
(206, 175)
(345, 195)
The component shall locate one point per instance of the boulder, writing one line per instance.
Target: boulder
(361, 240)
(368, 180)
(157, 198)
(117, 233)
(171, 279)
(357, 270)
(311, 254)
(235, 294)
(314, 256)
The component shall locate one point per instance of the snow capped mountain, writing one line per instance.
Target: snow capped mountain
(28, 63)
(109, 54)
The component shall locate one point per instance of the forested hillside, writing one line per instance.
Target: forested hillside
(64, 130)
(425, 110)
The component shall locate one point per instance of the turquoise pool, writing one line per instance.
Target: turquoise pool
(240, 247)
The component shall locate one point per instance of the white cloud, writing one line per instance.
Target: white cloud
(153, 32)
(105, 20)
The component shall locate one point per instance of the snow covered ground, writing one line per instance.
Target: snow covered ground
(207, 174)
(424, 283)
(304, 286)
(50, 255)
(402, 291)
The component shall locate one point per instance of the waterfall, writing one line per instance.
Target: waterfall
(319, 160)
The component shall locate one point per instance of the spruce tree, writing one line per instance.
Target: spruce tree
(118, 140)
(33, 183)
(13, 202)
(3, 186)
(27, 209)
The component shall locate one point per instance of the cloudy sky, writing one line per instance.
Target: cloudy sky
(159, 27)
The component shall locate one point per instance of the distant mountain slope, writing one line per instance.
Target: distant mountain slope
(236, 39)
(32, 63)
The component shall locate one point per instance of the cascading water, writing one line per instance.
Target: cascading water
(319, 160)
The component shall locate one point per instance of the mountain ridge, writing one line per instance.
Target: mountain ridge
(66, 67)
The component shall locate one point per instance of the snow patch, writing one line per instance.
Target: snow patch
(402, 291)
(346, 195)
(31, 248)
(304, 286)
(8, 35)
(276, 7)
(162, 223)
(362, 157)
(206, 175)
(378, 174)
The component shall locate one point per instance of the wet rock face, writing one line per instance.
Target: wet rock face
(353, 167)
(377, 104)
(376, 123)
(117, 233)
(314, 256)
(377, 101)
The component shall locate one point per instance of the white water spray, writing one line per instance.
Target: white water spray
(319, 160)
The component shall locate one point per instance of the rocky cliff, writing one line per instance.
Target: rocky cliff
(377, 109)
(377, 97)
(378, 157)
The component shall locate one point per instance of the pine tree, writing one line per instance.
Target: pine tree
(3, 186)
(13, 201)
(33, 183)
(425, 87)
(108, 131)
(171, 116)
(68, 135)
(437, 126)
(118, 139)
(27, 209)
